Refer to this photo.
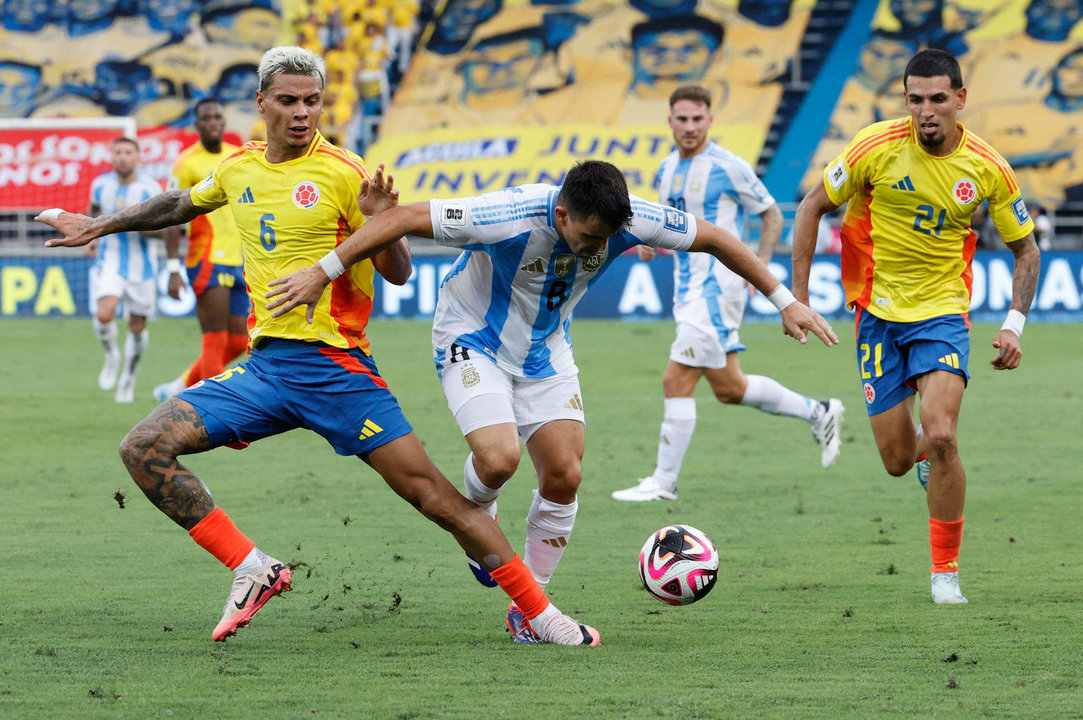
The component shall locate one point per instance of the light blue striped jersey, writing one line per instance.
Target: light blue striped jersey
(719, 187)
(127, 254)
(511, 293)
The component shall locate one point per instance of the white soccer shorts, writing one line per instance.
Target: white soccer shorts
(139, 297)
(707, 330)
(480, 394)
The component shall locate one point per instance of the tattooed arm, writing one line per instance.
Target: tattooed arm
(1024, 283)
(170, 208)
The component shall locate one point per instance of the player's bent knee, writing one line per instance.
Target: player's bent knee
(897, 467)
(729, 395)
(497, 465)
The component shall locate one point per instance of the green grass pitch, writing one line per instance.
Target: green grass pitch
(821, 609)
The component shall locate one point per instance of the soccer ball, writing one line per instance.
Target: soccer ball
(678, 564)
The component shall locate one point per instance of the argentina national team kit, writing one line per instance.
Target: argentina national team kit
(709, 299)
(125, 265)
(510, 295)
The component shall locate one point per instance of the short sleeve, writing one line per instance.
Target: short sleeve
(489, 218)
(660, 226)
(209, 192)
(751, 192)
(1007, 208)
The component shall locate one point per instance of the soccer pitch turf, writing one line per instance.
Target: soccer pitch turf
(821, 609)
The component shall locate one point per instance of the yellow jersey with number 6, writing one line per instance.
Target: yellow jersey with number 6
(289, 215)
(907, 243)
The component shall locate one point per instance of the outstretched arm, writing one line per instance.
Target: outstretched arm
(170, 208)
(1024, 283)
(805, 228)
(797, 318)
(304, 287)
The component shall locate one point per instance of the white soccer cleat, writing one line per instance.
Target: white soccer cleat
(107, 378)
(248, 594)
(647, 489)
(924, 467)
(946, 589)
(560, 630)
(125, 389)
(827, 431)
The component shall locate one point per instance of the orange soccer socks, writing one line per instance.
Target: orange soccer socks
(944, 541)
(517, 581)
(217, 534)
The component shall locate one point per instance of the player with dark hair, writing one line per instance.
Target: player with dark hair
(709, 181)
(214, 265)
(913, 184)
(124, 268)
(295, 198)
(500, 334)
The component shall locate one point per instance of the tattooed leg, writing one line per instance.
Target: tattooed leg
(150, 453)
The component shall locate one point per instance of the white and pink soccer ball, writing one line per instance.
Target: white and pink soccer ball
(678, 564)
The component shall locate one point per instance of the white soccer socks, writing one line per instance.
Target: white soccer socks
(678, 426)
(548, 528)
(771, 396)
(477, 491)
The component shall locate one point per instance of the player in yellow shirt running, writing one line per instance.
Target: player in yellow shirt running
(912, 185)
(295, 198)
(214, 265)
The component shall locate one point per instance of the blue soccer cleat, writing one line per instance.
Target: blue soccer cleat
(520, 629)
(480, 574)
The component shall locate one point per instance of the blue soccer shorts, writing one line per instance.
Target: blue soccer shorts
(287, 384)
(891, 355)
(206, 275)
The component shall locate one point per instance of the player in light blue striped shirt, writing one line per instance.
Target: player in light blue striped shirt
(124, 268)
(500, 335)
(710, 182)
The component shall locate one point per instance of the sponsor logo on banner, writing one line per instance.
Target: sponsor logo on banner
(306, 194)
(965, 191)
(564, 264)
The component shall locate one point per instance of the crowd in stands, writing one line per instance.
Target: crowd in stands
(367, 46)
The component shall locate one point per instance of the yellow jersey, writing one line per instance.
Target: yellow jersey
(289, 215)
(213, 237)
(906, 237)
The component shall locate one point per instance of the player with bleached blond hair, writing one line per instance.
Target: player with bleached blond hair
(295, 198)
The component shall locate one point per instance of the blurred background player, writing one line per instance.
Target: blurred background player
(913, 184)
(709, 299)
(124, 268)
(295, 197)
(500, 333)
(214, 263)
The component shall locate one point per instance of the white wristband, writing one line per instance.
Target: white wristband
(173, 265)
(1014, 322)
(781, 297)
(332, 265)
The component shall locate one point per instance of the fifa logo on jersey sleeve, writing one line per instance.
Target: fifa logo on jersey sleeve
(837, 175)
(676, 221)
(206, 183)
(1020, 209)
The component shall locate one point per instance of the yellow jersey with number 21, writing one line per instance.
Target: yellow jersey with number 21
(906, 237)
(289, 215)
